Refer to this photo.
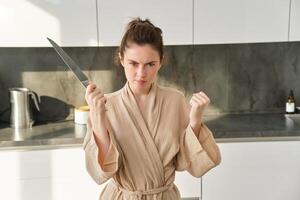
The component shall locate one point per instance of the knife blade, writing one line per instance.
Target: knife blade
(70, 63)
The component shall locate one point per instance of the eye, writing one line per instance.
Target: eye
(151, 64)
(133, 64)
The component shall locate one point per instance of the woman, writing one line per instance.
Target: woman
(138, 136)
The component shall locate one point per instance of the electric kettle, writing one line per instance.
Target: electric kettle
(21, 108)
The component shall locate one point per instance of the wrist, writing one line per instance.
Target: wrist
(196, 126)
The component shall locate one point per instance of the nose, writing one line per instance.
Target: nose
(141, 72)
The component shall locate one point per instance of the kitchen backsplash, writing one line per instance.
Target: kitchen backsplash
(238, 78)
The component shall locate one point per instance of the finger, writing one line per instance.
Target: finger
(193, 102)
(100, 104)
(97, 100)
(204, 95)
(205, 99)
(90, 88)
(200, 99)
(100, 98)
(103, 100)
(96, 93)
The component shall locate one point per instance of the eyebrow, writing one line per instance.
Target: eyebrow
(145, 63)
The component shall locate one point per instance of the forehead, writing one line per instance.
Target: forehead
(141, 53)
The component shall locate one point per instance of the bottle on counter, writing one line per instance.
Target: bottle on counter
(290, 104)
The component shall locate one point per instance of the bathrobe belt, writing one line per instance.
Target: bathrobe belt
(138, 194)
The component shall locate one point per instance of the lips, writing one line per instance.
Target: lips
(141, 82)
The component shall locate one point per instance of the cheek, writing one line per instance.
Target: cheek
(129, 71)
(152, 73)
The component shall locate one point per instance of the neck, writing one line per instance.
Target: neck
(141, 94)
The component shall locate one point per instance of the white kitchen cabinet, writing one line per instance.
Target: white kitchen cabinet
(240, 21)
(27, 23)
(255, 170)
(175, 18)
(58, 174)
(58, 189)
(295, 21)
(188, 186)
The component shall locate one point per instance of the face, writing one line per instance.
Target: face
(141, 64)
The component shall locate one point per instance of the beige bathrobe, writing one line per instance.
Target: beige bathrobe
(147, 147)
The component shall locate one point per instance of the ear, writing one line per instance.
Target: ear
(121, 59)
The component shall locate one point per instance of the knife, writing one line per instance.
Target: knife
(70, 63)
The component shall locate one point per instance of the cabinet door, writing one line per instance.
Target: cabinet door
(175, 18)
(46, 174)
(57, 189)
(241, 21)
(188, 186)
(295, 21)
(27, 23)
(257, 170)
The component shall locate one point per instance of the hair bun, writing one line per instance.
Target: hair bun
(142, 32)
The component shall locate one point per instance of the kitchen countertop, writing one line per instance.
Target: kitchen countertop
(226, 128)
(258, 126)
(48, 136)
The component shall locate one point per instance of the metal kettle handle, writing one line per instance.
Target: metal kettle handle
(36, 99)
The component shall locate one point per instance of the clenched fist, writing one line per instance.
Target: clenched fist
(96, 102)
(198, 102)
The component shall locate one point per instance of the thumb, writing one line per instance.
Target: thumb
(192, 102)
(90, 88)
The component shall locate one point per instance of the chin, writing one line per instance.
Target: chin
(141, 88)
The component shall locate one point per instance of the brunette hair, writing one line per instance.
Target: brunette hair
(141, 32)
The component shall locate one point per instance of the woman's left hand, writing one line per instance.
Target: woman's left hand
(199, 102)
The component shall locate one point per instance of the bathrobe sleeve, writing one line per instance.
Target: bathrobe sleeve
(198, 152)
(111, 163)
